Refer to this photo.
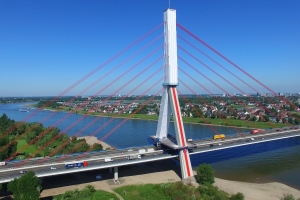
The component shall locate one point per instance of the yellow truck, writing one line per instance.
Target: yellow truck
(219, 136)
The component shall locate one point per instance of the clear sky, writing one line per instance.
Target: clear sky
(46, 46)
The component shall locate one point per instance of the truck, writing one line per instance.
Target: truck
(150, 150)
(219, 136)
(132, 157)
(256, 131)
(2, 163)
(108, 159)
(76, 164)
(142, 151)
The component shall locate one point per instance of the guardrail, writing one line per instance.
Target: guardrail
(94, 166)
(89, 159)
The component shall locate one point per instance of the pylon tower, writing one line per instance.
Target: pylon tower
(169, 102)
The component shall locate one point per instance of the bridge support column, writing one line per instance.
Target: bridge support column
(116, 174)
(169, 102)
(110, 170)
(41, 179)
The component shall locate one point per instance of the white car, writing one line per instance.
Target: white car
(99, 176)
(53, 168)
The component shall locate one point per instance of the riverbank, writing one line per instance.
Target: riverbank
(166, 171)
(91, 140)
(228, 122)
(254, 191)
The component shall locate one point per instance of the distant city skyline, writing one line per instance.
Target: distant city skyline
(48, 46)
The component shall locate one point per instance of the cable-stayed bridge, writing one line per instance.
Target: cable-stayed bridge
(132, 77)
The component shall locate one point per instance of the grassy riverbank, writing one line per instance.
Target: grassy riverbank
(204, 121)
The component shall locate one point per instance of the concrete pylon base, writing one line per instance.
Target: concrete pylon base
(190, 180)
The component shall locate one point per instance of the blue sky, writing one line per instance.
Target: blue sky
(46, 46)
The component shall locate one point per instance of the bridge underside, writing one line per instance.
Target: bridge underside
(169, 142)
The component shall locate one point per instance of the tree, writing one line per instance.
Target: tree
(290, 120)
(283, 120)
(253, 118)
(247, 117)
(213, 116)
(238, 196)
(27, 187)
(266, 117)
(97, 147)
(277, 119)
(205, 174)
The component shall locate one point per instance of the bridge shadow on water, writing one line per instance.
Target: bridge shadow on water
(241, 151)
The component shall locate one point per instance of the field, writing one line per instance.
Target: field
(30, 149)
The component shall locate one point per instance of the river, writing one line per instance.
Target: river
(264, 162)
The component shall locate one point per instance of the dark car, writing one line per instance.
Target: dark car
(211, 145)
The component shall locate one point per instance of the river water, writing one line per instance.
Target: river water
(264, 162)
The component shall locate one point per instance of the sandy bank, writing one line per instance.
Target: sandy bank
(167, 171)
(255, 191)
(92, 140)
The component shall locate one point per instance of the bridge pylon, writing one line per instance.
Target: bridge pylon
(169, 102)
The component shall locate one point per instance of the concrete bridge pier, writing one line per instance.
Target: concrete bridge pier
(116, 173)
(110, 170)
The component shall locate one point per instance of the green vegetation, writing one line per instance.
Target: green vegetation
(87, 193)
(288, 197)
(174, 191)
(27, 187)
(30, 149)
(6, 147)
(205, 174)
(22, 140)
(210, 121)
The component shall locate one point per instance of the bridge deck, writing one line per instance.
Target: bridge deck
(97, 160)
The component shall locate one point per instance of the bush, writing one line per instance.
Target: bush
(209, 191)
(288, 197)
(238, 196)
(205, 174)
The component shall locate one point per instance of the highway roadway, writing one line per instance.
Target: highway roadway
(245, 139)
(96, 160)
(12, 169)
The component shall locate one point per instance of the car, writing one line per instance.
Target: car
(53, 168)
(219, 144)
(211, 145)
(22, 172)
(129, 150)
(99, 176)
(252, 139)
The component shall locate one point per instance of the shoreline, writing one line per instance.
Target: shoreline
(204, 124)
(166, 171)
(92, 140)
